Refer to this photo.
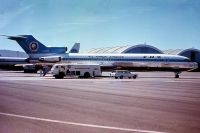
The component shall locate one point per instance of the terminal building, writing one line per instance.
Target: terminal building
(192, 53)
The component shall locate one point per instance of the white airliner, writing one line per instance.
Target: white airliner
(7, 61)
(150, 62)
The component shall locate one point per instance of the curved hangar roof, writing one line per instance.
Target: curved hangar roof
(192, 53)
(141, 48)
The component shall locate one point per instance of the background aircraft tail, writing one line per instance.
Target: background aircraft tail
(75, 48)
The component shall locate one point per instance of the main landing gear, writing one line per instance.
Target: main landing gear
(177, 74)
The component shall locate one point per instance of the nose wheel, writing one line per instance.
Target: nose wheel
(177, 74)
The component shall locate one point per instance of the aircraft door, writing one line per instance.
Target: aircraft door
(193, 56)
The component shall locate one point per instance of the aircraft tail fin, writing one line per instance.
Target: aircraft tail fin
(29, 44)
(75, 48)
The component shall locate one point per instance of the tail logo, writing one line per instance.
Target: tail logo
(33, 46)
(74, 51)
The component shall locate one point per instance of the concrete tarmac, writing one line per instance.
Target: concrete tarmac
(155, 102)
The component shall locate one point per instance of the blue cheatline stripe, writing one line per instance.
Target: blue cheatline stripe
(132, 60)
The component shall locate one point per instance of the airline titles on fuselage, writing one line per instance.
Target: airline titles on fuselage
(106, 57)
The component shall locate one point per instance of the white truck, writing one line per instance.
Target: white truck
(123, 74)
(59, 71)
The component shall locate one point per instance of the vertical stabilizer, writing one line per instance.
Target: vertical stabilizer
(29, 44)
(75, 48)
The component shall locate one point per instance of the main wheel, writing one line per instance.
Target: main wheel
(176, 76)
(86, 75)
(57, 77)
(60, 75)
(134, 77)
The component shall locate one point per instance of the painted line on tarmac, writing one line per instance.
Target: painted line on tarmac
(79, 124)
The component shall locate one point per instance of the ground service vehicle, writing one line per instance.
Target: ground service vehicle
(79, 70)
(123, 74)
(30, 68)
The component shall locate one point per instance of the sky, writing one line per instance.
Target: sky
(165, 24)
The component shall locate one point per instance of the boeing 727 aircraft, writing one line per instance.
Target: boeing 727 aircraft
(150, 62)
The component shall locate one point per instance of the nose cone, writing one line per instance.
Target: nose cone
(195, 65)
(41, 59)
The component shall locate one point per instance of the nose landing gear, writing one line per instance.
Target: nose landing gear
(177, 74)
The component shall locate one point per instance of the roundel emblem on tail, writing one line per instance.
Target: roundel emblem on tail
(33, 46)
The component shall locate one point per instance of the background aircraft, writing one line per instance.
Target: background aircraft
(33, 51)
(75, 48)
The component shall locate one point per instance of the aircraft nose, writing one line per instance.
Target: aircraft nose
(195, 65)
(41, 59)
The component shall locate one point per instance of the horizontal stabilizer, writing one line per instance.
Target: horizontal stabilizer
(14, 37)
